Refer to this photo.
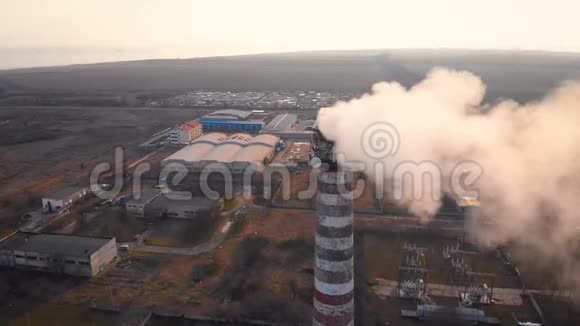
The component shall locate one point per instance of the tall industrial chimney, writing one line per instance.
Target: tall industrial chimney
(334, 255)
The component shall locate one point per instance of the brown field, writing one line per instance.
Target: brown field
(111, 222)
(182, 233)
(263, 270)
(42, 149)
(256, 267)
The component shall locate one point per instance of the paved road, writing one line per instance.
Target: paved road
(39, 220)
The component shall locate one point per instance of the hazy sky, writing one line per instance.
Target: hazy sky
(39, 32)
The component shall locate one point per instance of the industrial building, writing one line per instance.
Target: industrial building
(236, 152)
(154, 204)
(231, 121)
(251, 126)
(58, 253)
(185, 133)
(185, 208)
(65, 197)
(281, 122)
(294, 156)
(136, 206)
(473, 219)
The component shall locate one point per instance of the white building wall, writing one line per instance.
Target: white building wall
(102, 257)
(174, 136)
(184, 137)
(53, 202)
(64, 202)
(70, 265)
(135, 209)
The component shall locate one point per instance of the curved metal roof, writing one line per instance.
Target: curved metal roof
(213, 138)
(220, 148)
(254, 154)
(223, 152)
(193, 152)
(199, 148)
(257, 149)
(270, 140)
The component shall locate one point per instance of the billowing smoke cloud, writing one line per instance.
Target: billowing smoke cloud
(528, 154)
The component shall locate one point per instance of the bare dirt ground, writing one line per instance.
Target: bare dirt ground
(263, 271)
(110, 222)
(42, 149)
(182, 233)
(288, 194)
(367, 198)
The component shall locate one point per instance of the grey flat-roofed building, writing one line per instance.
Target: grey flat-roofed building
(58, 253)
(184, 208)
(229, 114)
(63, 198)
(281, 122)
(137, 206)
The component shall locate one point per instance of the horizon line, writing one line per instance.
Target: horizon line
(274, 53)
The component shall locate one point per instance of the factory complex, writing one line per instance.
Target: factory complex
(286, 125)
(239, 141)
(207, 251)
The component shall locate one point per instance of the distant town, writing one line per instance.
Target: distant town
(257, 100)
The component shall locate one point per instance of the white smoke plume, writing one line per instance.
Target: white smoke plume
(530, 185)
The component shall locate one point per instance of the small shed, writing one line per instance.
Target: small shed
(63, 198)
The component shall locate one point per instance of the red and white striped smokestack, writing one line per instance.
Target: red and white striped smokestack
(334, 255)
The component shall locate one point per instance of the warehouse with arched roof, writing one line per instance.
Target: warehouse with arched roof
(236, 152)
(199, 148)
